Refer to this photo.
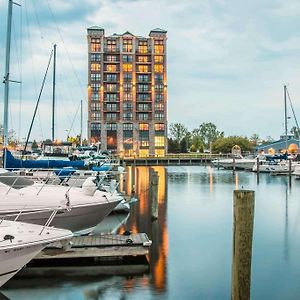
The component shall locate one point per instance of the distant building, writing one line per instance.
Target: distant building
(127, 92)
(292, 144)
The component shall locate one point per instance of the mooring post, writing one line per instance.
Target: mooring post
(290, 172)
(243, 216)
(153, 193)
(257, 169)
(233, 166)
(133, 179)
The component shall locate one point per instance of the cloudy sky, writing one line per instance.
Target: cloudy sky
(227, 60)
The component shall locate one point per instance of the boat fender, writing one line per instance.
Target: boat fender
(89, 187)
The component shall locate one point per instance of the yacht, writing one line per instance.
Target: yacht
(21, 242)
(240, 162)
(78, 209)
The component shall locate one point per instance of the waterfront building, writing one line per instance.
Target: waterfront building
(127, 92)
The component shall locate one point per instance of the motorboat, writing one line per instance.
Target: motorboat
(274, 167)
(21, 242)
(79, 209)
(240, 163)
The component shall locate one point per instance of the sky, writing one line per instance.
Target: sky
(227, 61)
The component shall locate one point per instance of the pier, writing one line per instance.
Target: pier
(104, 254)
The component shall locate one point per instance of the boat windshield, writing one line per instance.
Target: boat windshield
(15, 181)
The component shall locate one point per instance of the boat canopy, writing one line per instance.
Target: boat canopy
(14, 180)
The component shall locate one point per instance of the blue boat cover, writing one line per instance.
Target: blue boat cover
(14, 163)
(101, 168)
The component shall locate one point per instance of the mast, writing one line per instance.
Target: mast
(53, 90)
(81, 123)
(285, 118)
(6, 79)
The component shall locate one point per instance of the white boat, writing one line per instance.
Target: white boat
(21, 242)
(273, 167)
(79, 209)
(240, 162)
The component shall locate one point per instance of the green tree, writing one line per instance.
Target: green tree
(197, 144)
(183, 146)
(225, 144)
(34, 145)
(254, 138)
(173, 146)
(178, 131)
(209, 133)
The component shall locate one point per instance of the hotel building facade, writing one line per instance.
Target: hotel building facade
(127, 92)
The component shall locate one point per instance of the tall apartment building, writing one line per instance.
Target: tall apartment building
(127, 92)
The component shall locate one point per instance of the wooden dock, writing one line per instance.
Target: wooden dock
(105, 254)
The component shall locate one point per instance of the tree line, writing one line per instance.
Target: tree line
(207, 138)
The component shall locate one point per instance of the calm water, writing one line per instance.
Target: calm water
(191, 255)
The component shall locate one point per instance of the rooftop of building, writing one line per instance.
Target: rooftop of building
(156, 30)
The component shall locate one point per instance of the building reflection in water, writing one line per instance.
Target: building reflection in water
(140, 221)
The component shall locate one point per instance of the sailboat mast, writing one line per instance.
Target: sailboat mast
(6, 77)
(53, 90)
(81, 123)
(285, 118)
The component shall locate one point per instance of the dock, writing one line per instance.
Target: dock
(104, 254)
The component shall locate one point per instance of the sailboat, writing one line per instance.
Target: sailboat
(21, 242)
(79, 210)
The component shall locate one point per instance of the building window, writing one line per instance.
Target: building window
(111, 68)
(111, 126)
(127, 87)
(95, 116)
(96, 126)
(143, 97)
(143, 88)
(143, 126)
(143, 78)
(95, 57)
(95, 45)
(111, 97)
(159, 68)
(95, 97)
(127, 126)
(143, 107)
(143, 59)
(95, 87)
(158, 46)
(111, 58)
(111, 117)
(95, 76)
(158, 59)
(111, 77)
(159, 97)
(159, 116)
(111, 107)
(159, 88)
(127, 67)
(95, 67)
(127, 58)
(127, 97)
(127, 106)
(159, 152)
(95, 106)
(144, 153)
(159, 127)
(127, 116)
(111, 45)
(159, 141)
(127, 77)
(127, 45)
(143, 47)
(111, 87)
(159, 78)
(143, 68)
(159, 107)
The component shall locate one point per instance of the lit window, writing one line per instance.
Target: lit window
(144, 153)
(127, 45)
(143, 59)
(159, 126)
(159, 141)
(110, 87)
(111, 45)
(111, 58)
(158, 46)
(143, 47)
(143, 68)
(158, 59)
(127, 67)
(158, 68)
(127, 97)
(159, 152)
(95, 45)
(95, 67)
(111, 68)
(144, 126)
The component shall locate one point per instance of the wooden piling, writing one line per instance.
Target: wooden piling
(153, 193)
(233, 166)
(243, 202)
(290, 172)
(133, 167)
(257, 169)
